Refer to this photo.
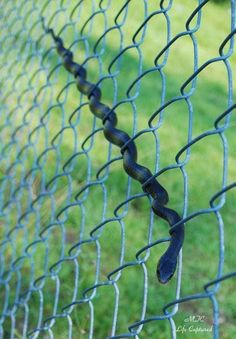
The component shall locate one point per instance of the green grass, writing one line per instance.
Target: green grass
(204, 170)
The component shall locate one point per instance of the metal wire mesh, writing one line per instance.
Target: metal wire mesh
(79, 242)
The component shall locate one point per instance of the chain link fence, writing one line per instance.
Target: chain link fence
(79, 240)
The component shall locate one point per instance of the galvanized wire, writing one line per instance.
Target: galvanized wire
(56, 185)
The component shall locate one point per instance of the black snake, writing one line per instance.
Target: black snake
(167, 263)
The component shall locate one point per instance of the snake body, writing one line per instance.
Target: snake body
(167, 263)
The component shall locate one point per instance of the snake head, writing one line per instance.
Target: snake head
(165, 269)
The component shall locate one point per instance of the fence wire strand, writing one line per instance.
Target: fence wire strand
(79, 241)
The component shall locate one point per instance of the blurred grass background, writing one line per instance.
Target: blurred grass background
(54, 107)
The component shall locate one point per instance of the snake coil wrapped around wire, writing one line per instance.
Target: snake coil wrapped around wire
(167, 263)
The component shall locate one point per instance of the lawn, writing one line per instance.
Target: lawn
(55, 190)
